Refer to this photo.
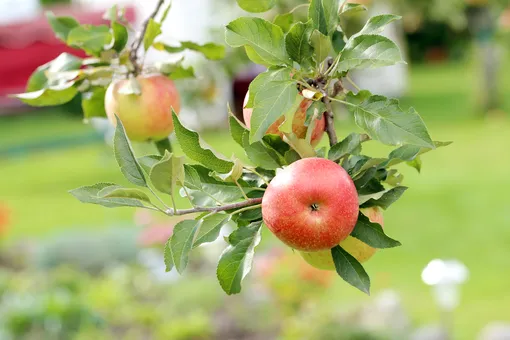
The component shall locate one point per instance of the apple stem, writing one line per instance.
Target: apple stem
(135, 46)
(232, 206)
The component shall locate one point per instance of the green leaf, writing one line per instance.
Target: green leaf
(210, 50)
(376, 24)
(364, 179)
(210, 229)
(111, 14)
(369, 51)
(387, 199)
(176, 70)
(256, 6)
(384, 120)
(181, 243)
(264, 156)
(115, 192)
(297, 43)
(167, 172)
(264, 78)
(351, 145)
(284, 21)
(147, 162)
(351, 8)
(92, 102)
(407, 153)
(48, 96)
(394, 178)
(61, 25)
(265, 38)
(372, 234)
(167, 256)
(236, 261)
(271, 102)
(324, 15)
(120, 36)
(165, 13)
(191, 146)
(91, 39)
(255, 57)
(322, 46)
(64, 62)
(125, 157)
(416, 163)
(237, 130)
(89, 194)
(153, 31)
(350, 269)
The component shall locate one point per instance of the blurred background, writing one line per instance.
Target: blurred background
(74, 271)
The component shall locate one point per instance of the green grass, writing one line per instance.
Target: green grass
(457, 208)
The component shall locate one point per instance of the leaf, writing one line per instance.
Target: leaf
(256, 6)
(61, 25)
(376, 24)
(181, 242)
(351, 145)
(284, 21)
(297, 43)
(351, 8)
(264, 156)
(210, 50)
(261, 81)
(91, 39)
(167, 256)
(167, 172)
(365, 178)
(120, 36)
(92, 102)
(372, 234)
(255, 57)
(237, 130)
(176, 70)
(407, 153)
(125, 157)
(236, 261)
(271, 102)
(165, 12)
(384, 120)
(350, 269)
(152, 32)
(324, 15)
(210, 229)
(416, 163)
(387, 199)
(266, 39)
(190, 145)
(111, 14)
(321, 45)
(89, 194)
(48, 96)
(369, 51)
(163, 146)
(64, 62)
(394, 178)
(147, 162)
(116, 192)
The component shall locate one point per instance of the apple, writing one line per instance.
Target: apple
(358, 249)
(145, 116)
(311, 205)
(298, 123)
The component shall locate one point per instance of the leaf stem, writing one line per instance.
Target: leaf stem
(241, 189)
(135, 46)
(342, 101)
(352, 83)
(248, 203)
(251, 207)
(260, 176)
(158, 198)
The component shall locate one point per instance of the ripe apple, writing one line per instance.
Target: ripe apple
(358, 249)
(298, 123)
(147, 116)
(311, 205)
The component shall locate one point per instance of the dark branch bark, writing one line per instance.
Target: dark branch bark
(232, 206)
(330, 122)
(135, 46)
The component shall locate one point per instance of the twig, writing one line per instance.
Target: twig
(135, 46)
(233, 206)
(330, 122)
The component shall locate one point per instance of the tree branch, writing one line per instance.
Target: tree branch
(135, 46)
(238, 205)
(330, 122)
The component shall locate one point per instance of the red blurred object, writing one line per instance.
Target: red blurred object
(28, 44)
(4, 219)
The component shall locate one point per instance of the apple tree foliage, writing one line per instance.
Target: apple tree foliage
(313, 58)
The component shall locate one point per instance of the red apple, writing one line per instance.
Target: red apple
(147, 116)
(311, 205)
(298, 123)
(358, 249)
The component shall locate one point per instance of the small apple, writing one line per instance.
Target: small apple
(298, 123)
(145, 116)
(311, 205)
(358, 249)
